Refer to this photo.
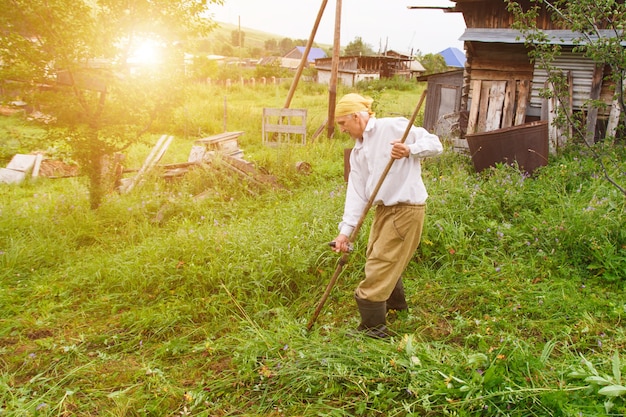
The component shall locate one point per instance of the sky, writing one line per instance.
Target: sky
(382, 24)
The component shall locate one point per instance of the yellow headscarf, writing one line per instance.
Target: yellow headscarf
(353, 103)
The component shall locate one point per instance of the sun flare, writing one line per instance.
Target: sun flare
(147, 52)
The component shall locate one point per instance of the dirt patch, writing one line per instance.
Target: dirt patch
(8, 341)
(39, 334)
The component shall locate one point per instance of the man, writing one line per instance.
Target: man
(399, 204)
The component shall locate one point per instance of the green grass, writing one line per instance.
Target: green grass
(19, 136)
(162, 304)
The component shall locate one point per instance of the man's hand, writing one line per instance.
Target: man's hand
(399, 150)
(341, 244)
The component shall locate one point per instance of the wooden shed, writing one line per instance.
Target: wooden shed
(501, 85)
(444, 98)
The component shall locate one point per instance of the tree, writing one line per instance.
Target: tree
(433, 63)
(105, 53)
(286, 45)
(227, 50)
(203, 68)
(598, 29)
(272, 69)
(358, 48)
(238, 38)
(271, 45)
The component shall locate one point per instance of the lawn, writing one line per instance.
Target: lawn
(160, 303)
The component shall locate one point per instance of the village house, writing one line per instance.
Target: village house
(354, 69)
(293, 58)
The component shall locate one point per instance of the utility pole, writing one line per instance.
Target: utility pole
(332, 88)
(305, 57)
(239, 34)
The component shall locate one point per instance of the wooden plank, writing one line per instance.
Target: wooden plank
(509, 103)
(21, 162)
(249, 171)
(592, 112)
(268, 111)
(161, 152)
(473, 115)
(494, 107)
(614, 115)
(11, 176)
(483, 106)
(523, 90)
(570, 103)
(319, 130)
(220, 137)
(155, 155)
(557, 139)
(552, 129)
(283, 123)
(197, 153)
(37, 165)
(278, 128)
(545, 108)
(487, 75)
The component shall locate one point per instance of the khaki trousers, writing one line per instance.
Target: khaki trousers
(394, 237)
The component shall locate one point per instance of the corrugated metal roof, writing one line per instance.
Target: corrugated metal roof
(558, 37)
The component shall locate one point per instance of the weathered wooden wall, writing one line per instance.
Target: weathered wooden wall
(493, 14)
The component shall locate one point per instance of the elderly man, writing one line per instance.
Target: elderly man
(400, 204)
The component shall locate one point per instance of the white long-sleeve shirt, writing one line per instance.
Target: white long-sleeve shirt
(368, 160)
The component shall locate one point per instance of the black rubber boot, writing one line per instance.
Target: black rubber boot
(373, 322)
(397, 300)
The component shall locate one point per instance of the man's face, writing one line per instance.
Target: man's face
(351, 124)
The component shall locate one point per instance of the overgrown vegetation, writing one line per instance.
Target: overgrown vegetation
(160, 303)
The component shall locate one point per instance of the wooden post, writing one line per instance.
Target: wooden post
(225, 114)
(305, 56)
(332, 87)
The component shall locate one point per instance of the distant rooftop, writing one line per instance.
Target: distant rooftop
(454, 57)
(314, 53)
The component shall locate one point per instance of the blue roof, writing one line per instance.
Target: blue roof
(314, 53)
(454, 57)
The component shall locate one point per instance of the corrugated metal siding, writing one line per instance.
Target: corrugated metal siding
(582, 71)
